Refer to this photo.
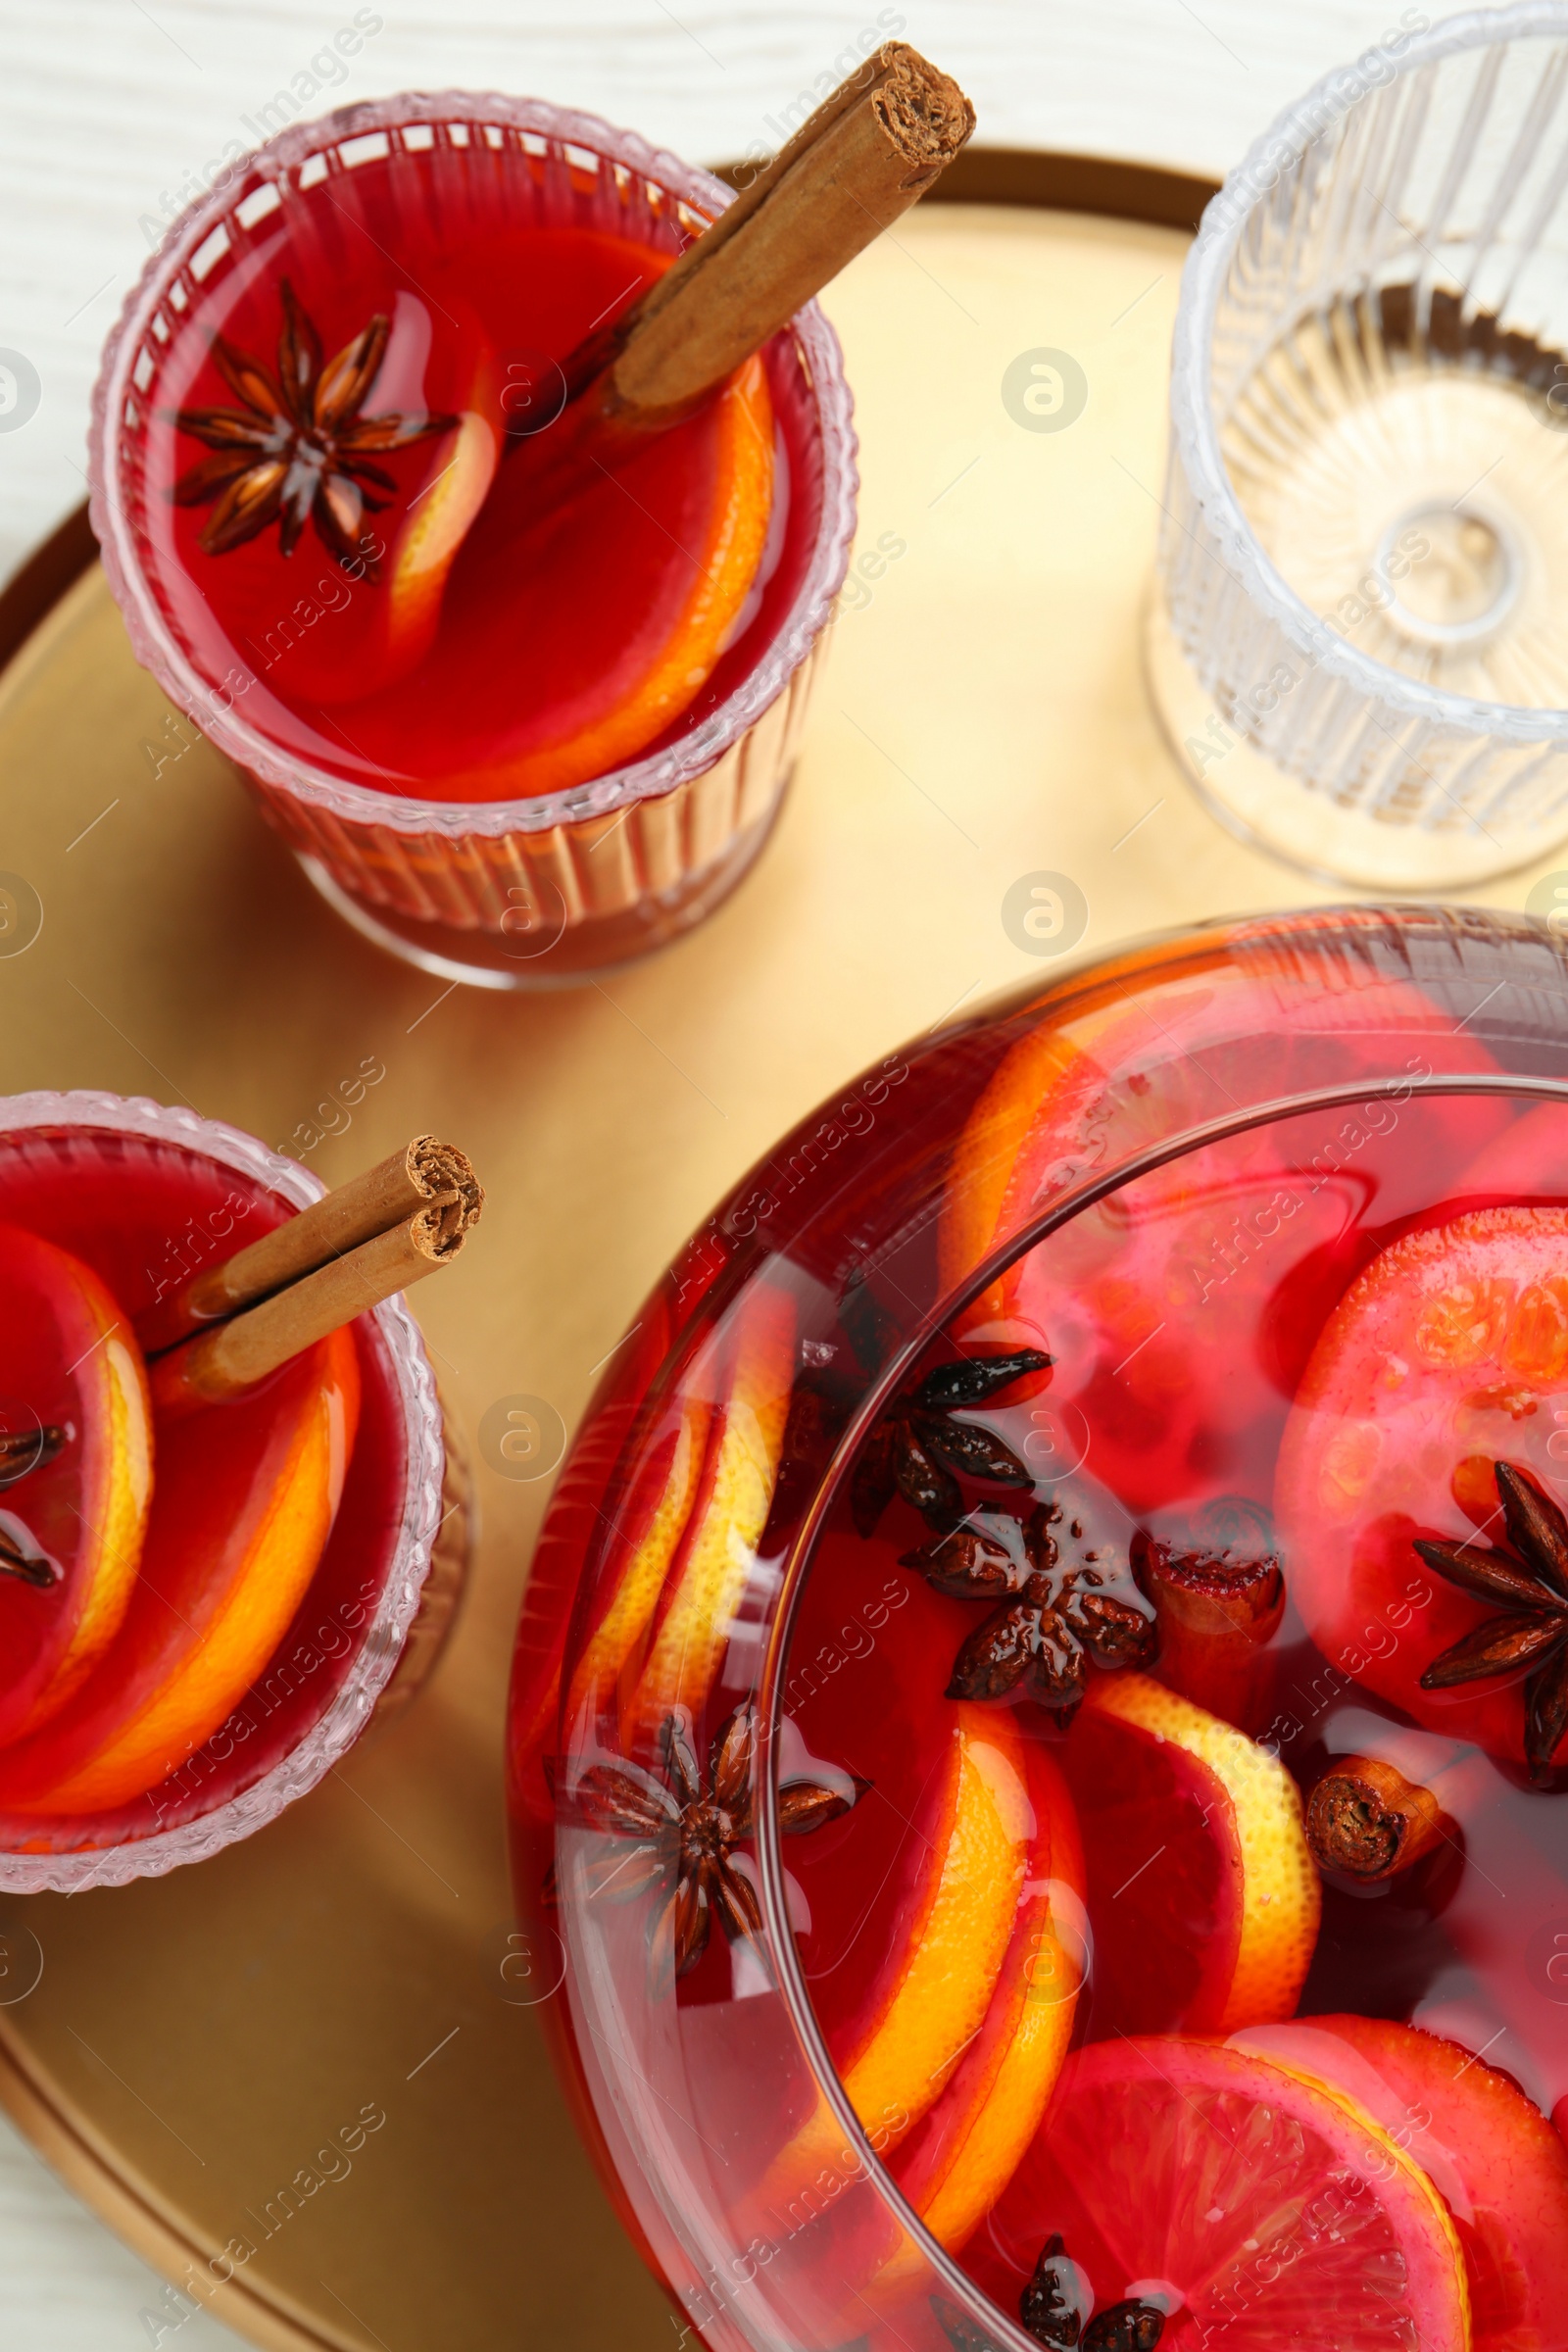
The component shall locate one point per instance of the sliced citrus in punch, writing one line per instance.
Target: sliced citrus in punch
(1496, 2161)
(932, 1998)
(77, 1475)
(1203, 1899)
(1253, 2208)
(1448, 1354)
(586, 1507)
(971, 2143)
(718, 1547)
(619, 604)
(655, 1520)
(432, 531)
(1182, 1408)
(247, 1493)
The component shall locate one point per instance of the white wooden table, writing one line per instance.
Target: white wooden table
(110, 107)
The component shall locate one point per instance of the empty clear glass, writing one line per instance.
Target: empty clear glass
(1361, 644)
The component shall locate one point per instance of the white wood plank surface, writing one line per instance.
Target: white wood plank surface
(109, 107)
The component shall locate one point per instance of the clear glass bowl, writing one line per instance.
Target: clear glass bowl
(403, 1537)
(1211, 1076)
(1358, 646)
(537, 892)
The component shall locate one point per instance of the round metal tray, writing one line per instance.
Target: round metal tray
(303, 2079)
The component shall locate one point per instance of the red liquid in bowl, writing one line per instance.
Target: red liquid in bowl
(145, 1216)
(1060, 1935)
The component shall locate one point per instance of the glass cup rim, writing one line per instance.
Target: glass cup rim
(770, 1701)
(1193, 435)
(329, 1739)
(153, 643)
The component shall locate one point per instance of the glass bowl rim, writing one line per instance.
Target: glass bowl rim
(152, 640)
(329, 1739)
(770, 1694)
(1195, 437)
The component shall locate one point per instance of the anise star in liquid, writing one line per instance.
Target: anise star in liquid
(686, 1829)
(1533, 1629)
(297, 449)
(22, 1450)
(1064, 1596)
(920, 1452)
(1050, 2309)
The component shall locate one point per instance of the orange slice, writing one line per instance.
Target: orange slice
(728, 1513)
(433, 530)
(1254, 2209)
(72, 1366)
(619, 604)
(978, 2131)
(1447, 1355)
(1113, 1296)
(1497, 2164)
(936, 1996)
(656, 1520)
(246, 1493)
(1204, 1898)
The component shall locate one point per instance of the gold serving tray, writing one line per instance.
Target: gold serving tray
(195, 2043)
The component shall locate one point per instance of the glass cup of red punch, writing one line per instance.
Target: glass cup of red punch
(481, 487)
(232, 1526)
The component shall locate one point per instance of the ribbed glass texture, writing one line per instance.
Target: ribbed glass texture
(64, 1855)
(537, 890)
(1362, 646)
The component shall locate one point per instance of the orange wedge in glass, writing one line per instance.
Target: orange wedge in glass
(77, 1498)
(1204, 1898)
(655, 1520)
(247, 1493)
(1248, 2206)
(619, 603)
(1494, 2160)
(934, 1997)
(977, 2133)
(1113, 1295)
(1447, 1355)
(433, 530)
(718, 1547)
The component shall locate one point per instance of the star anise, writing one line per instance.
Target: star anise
(684, 1830)
(1533, 1629)
(22, 1450)
(1066, 1596)
(920, 1452)
(297, 449)
(1052, 2311)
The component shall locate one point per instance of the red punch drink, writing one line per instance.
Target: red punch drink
(1042, 1709)
(198, 1611)
(510, 749)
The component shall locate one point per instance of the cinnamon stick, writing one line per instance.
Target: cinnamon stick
(427, 1174)
(223, 1362)
(867, 153)
(1364, 1818)
(852, 170)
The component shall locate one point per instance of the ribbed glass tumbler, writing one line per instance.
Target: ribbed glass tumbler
(547, 889)
(1360, 647)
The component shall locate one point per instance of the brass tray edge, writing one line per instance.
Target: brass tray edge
(138, 2224)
